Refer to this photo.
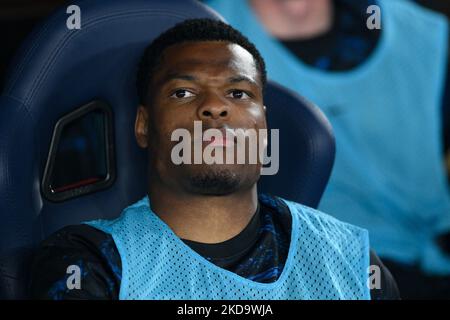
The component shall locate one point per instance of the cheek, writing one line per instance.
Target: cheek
(165, 121)
(257, 115)
(160, 132)
(167, 124)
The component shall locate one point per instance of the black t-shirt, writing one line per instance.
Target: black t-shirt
(258, 253)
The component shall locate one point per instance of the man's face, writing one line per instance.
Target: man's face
(214, 82)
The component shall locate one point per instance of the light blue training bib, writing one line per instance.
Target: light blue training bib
(389, 176)
(327, 259)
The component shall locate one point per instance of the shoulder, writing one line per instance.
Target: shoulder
(133, 212)
(320, 221)
(348, 236)
(415, 16)
(75, 235)
(317, 229)
(91, 250)
(76, 243)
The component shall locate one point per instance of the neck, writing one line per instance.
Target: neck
(295, 20)
(201, 218)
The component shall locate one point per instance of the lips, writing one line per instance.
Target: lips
(226, 140)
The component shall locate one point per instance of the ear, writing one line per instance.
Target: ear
(141, 127)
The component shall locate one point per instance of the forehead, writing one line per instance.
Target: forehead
(208, 56)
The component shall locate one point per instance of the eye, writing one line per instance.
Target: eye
(238, 94)
(181, 94)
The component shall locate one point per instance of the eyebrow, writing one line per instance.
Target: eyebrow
(187, 77)
(242, 78)
(176, 76)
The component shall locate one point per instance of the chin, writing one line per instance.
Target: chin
(218, 180)
(215, 182)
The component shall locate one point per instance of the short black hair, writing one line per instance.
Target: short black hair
(191, 30)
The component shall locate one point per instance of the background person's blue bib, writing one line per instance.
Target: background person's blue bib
(389, 175)
(327, 259)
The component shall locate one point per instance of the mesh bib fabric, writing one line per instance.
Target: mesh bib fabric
(327, 259)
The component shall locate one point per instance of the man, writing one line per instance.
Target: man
(202, 232)
(386, 94)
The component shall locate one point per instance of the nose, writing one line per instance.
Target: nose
(213, 108)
